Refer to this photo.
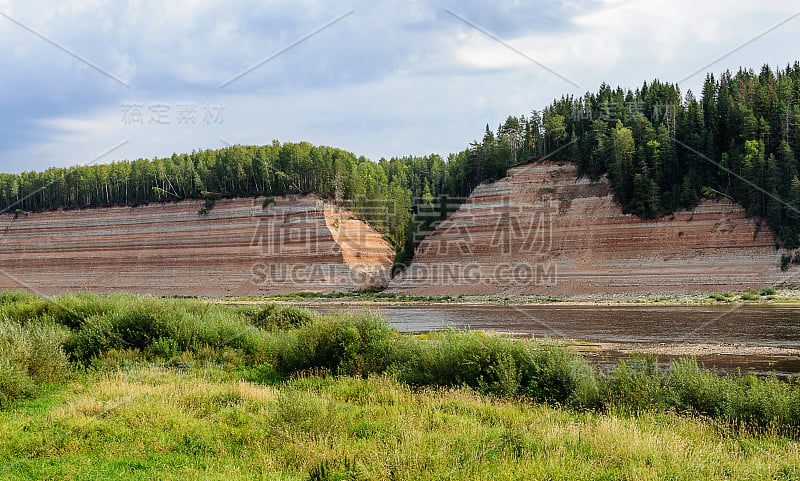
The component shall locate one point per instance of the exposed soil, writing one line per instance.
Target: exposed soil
(543, 230)
(237, 249)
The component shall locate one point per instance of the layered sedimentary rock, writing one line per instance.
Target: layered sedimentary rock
(292, 243)
(544, 230)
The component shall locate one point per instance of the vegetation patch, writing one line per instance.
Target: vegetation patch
(44, 340)
(271, 389)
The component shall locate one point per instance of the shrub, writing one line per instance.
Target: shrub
(29, 356)
(68, 310)
(785, 260)
(348, 344)
(275, 316)
(14, 383)
(166, 328)
(500, 366)
(634, 384)
(768, 291)
(762, 402)
(35, 349)
(13, 297)
(165, 348)
(462, 359)
(694, 389)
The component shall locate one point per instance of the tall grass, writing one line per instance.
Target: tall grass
(29, 356)
(39, 336)
(500, 366)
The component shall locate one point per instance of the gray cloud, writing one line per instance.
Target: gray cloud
(393, 78)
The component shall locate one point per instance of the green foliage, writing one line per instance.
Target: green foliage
(499, 366)
(354, 345)
(273, 343)
(633, 384)
(15, 383)
(751, 295)
(768, 291)
(785, 260)
(30, 355)
(695, 389)
(275, 316)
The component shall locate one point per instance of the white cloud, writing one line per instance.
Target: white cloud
(391, 79)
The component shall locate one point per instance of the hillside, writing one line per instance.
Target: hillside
(664, 153)
(238, 248)
(545, 230)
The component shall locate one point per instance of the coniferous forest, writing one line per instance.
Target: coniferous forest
(662, 150)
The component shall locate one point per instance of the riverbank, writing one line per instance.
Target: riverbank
(139, 387)
(766, 296)
(754, 337)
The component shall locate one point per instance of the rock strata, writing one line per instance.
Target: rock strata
(543, 230)
(292, 243)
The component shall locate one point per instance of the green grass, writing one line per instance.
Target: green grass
(186, 388)
(149, 422)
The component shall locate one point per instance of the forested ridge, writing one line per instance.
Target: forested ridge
(386, 194)
(662, 151)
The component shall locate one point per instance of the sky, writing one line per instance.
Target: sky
(93, 81)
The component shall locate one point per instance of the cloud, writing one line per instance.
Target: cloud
(393, 78)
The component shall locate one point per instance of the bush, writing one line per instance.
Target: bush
(500, 366)
(785, 260)
(13, 297)
(35, 349)
(762, 402)
(348, 344)
(14, 383)
(634, 384)
(274, 316)
(68, 310)
(487, 363)
(555, 374)
(29, 356)
(768, 291)
(691, 388)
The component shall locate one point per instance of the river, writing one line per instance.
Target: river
(758, 338)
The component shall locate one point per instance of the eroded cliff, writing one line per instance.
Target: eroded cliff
(544, 230)
(294, 243)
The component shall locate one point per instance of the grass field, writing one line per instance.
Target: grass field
(150, 422)
(144, 388)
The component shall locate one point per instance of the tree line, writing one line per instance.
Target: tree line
(388, 194)
(661, 150)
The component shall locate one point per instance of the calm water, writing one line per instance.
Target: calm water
(747, 325)
(750, 325)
